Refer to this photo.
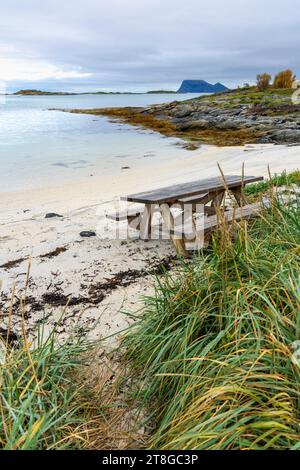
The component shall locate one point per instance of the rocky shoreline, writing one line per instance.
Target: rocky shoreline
(238, 117)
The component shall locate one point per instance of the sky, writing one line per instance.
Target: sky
(138, 45)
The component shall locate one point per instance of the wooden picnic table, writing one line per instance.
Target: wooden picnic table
(211, 190)
(171, 194)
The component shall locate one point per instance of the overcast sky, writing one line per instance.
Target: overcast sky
(144, 44)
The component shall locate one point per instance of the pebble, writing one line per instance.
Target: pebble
(51, 215)
(88, 234)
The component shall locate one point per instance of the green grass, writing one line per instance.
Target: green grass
(41, 403)
(249, 96)
(64, 395)
(215, 347)
(284, 179)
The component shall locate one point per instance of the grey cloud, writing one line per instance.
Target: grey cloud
(127, 44)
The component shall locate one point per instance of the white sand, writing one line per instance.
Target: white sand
(25, 233)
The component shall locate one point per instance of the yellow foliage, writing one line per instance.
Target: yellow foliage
(284, 79)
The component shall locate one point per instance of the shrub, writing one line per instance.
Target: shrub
(263, 81)
(284, 79)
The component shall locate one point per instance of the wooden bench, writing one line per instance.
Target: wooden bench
(211, 223)
(133, 215)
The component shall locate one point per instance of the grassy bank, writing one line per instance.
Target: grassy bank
(273, 100)
(216, 349)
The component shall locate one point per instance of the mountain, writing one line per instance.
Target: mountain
(200, 86)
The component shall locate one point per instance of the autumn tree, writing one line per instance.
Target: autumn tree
(284, 79)
(263, 81)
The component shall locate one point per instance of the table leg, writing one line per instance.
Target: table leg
(145, 226)
(239, 196)
(218, 199)
(169, 221)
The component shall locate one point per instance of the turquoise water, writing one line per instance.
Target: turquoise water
(39, 146)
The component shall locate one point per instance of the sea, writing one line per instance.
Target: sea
(40, 146)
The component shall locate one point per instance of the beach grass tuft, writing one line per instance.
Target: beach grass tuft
(62, 394)
(217, 348)
(39, 401)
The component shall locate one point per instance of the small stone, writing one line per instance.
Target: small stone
(51, 215)
(190, 146)
(88, 234)
(125, 168)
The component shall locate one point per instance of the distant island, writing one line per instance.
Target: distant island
(157, 92)
(201, 86)
(65, 93)
(40, 92)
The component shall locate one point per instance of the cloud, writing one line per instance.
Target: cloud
(26, 70)
(131, 44)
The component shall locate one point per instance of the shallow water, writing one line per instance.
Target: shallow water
(39, 146)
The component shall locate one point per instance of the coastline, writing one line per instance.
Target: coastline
(234, 117)
(101, 277)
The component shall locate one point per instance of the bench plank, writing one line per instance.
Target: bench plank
(125, 215)
(237, 214)
(211, 223)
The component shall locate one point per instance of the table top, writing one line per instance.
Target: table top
(173, 193)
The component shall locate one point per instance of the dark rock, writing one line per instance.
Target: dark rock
(190, 146)
(88, 234)
(51, 215)
(200, 124)
(9, 336)
(182, 111)
(286, 135)
(227, 125)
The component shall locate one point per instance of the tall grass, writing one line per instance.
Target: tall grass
(39, 406)
(63, 394)
(217, 346)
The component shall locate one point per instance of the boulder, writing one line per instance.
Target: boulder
(199, 124)
(286, 135)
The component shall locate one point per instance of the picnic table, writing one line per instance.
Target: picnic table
(209, 193)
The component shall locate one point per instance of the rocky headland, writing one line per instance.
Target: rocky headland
(242, 116)
(201, 86)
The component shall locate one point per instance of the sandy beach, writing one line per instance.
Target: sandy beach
(101, 279)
